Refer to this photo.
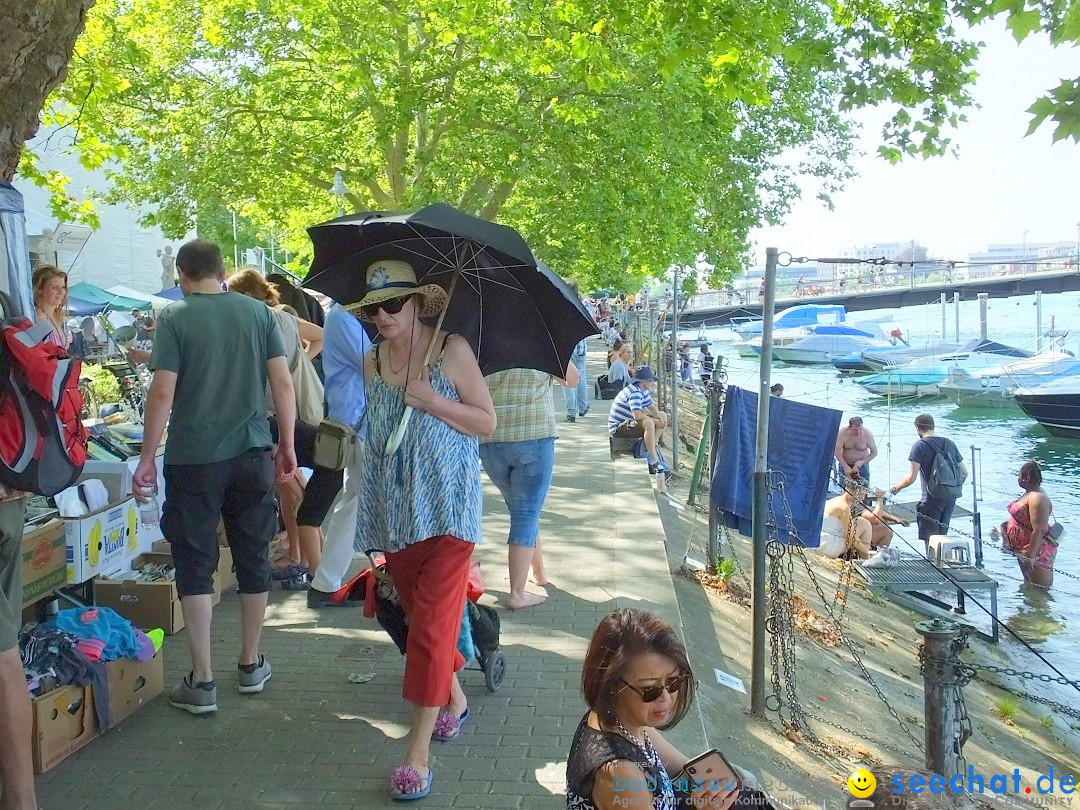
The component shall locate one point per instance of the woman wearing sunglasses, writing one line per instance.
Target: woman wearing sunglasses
(636, 679)
(423, 500)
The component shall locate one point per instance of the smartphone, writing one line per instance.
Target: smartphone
(711, 770)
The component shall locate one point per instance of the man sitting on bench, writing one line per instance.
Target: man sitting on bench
(634, 415)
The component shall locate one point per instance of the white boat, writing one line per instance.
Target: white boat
(791, 318)
(923, 377)
(822, 343)
(997, 385)
(892, 356)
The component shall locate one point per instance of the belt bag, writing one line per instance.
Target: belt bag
(332, 444)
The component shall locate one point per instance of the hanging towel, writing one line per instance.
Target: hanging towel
(802, 439)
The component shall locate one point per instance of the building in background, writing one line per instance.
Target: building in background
(1013, 258)
(121, 251)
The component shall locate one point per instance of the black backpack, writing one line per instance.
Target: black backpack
(945, 481)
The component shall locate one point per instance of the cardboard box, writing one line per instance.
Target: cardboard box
(44, 561)
(146, 604)
(133, 684)
(226, 577)
(64, 722)
(104, 540)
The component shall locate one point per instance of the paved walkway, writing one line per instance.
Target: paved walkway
(314, 738)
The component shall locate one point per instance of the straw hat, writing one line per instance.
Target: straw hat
(393, 278)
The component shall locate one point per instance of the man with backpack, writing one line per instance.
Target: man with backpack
(937, 461)
(213, 353)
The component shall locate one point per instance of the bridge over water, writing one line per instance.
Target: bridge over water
(712, 309)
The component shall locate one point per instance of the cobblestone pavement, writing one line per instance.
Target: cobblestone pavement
(315, 738)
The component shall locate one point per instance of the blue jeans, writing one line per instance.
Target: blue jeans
(577, 398)
(522, 473)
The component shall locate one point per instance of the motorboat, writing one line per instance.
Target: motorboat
(820, 344)
(923, 376)
(902, 354)
(851, 363)
(1054, 405)
(791, 318)
(997, 385)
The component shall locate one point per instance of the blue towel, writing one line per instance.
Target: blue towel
(802, 439)
(465, 643)
(119, 635)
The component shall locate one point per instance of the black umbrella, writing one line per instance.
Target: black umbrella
(513, 310)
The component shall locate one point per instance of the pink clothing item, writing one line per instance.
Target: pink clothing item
(1018, 535)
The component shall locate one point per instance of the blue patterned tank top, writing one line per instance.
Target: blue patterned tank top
(430, 486)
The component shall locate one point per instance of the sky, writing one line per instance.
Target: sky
(1000, 184)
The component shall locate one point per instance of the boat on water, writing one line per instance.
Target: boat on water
(791, 318)
(923, 376)
(996, 386)
(1054, 405)
(820, 344)
(902, 354)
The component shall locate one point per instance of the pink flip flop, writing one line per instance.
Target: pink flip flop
(406, 783)
(448, 727)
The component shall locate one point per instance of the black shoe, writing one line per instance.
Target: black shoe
(570, 418)
(582, 413)
(321, 599)
(656, 469)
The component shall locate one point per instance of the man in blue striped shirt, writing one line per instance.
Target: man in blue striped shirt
(634, 415)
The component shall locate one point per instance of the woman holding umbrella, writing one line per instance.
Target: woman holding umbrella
(423, 498)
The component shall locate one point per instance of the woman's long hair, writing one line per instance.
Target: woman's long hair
(42, 276)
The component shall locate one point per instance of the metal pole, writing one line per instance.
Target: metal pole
(939, 681)
(944, 328)
(714, 448)
(956, 313)
(1038, 320)
(703, 448)
(976, 518)
(674, 377)
(982, 315)
(761, 490)
(235, 243)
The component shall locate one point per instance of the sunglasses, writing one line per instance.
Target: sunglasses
(649, 694)
(391, 306)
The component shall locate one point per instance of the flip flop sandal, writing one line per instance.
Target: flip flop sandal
(406, 784)
(448, 727)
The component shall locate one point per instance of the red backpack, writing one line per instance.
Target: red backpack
(42, 438)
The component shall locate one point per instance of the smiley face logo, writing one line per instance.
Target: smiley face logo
(861, 784)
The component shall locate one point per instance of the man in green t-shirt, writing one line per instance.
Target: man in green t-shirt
(213, 353)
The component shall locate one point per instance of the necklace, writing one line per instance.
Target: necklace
(408, 359)
(625, 732)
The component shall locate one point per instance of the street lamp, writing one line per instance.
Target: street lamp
(340, 191)
(1023, 253)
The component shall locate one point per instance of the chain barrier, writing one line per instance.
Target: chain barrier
(851, 646)
(780, 624)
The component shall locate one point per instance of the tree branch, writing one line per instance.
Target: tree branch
(497, 199)
(477, 190)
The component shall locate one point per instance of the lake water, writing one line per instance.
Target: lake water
(1004, 438)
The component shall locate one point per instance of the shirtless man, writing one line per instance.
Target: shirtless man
(855, 448)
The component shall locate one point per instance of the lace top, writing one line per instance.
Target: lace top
(593, 749)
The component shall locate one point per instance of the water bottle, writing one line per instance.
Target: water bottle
(150, 509)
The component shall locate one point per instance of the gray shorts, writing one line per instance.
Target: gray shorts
(12, 514)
